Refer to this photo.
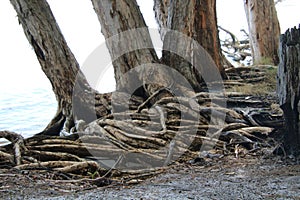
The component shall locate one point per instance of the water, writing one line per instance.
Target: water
(26, 110)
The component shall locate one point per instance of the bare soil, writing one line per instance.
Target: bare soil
(226, 178)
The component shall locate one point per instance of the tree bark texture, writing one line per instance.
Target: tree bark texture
(58, 63)
(289, 87)
(161, 15)
(148, 134)
(197, 20)
(129, 43)
(264, 30)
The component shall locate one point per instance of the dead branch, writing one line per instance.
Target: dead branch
(237, 49)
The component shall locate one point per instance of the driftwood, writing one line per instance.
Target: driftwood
(234, 48)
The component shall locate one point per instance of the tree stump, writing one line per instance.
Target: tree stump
(288, 86)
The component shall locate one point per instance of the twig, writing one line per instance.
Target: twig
(113, 167)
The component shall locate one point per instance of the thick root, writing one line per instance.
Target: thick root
(150, 135)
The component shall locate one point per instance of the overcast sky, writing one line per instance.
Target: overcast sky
(80, 26)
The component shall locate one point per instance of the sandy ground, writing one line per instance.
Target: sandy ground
(229, 178)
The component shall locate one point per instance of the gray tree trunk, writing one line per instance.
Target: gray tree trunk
(129, 43)
(264, 30)
(161, 15)
(289, 87)
(197, 20)
(59, 65)
(76, 99)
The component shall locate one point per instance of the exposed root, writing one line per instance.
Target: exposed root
(18, 145)
(7, 157)
(126, 145)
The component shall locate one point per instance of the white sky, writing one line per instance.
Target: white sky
(19, 67)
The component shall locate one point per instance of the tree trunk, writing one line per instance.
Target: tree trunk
(197, 20)
(264, 30)
(59, 65)
(161, 15)
(129, 43)
(151, 135)
(289, 88)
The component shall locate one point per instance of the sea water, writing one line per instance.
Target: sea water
(26, 110)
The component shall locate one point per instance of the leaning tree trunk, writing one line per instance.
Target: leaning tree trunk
(58, 63)
(289, 87)
(264, 30)
(197, 20)
(129, 43)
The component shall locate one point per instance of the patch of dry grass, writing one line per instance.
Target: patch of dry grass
(264, 61)
(267, 86)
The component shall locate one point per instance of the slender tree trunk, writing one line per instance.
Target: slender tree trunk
(161, 15)
(289, 88)
(58, 63)
(264, 30)
(129, 43)
(197, 20)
